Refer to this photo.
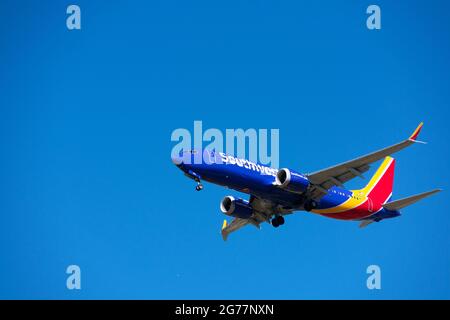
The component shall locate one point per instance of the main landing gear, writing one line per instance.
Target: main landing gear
(310, 205)
(277, 221)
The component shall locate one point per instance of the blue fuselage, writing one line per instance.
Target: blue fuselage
(238, 174)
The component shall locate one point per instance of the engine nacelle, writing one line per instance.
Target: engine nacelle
(237, 208)
(291, 181)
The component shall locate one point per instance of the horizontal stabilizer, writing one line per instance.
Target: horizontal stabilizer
(365, 223)
(399, 204)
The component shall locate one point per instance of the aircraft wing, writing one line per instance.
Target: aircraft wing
(236, 224)
(323, 180)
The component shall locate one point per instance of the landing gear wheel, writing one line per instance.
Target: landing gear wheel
(310, 205)
(199, 187)
(277, 221)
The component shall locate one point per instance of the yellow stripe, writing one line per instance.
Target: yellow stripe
(224, 225)
(376, 177)
(349, 204)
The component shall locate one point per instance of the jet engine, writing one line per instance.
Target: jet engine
(291, 181)
(237, 208)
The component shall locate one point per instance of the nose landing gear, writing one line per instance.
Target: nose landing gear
(277, 221)
(199, 186)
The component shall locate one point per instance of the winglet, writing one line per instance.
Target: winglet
(416, 132)
(224, 232)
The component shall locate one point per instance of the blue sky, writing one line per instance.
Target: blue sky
(85, 124)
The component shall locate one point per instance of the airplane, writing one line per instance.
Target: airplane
(276, 193)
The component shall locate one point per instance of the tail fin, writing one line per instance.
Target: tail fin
(399, 204)
(379, 188)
